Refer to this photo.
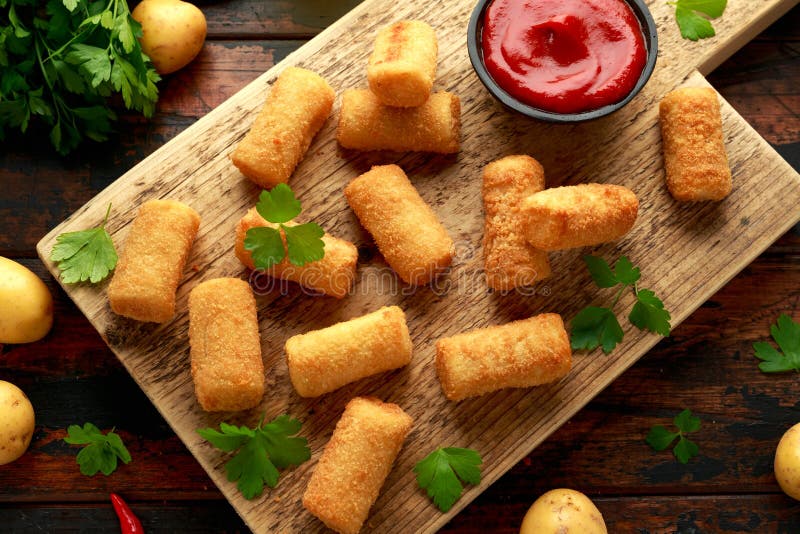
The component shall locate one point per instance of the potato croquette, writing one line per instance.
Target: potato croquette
(296, 108)
(519, 354)
(324, 360)
(694, 152)
(151, 264)
(578, 215)
(225, 345)
(509, 261)
(403, 64)
(405, 228)
(332, 275)
(366, 124)
(355, 463)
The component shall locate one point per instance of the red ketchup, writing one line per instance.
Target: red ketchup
(563, 56)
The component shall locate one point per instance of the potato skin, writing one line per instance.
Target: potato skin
(563, 511)
(173, 32)
(16, 422)
(787, 462)
(26, 305)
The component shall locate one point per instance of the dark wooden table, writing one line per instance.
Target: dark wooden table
(707, 365)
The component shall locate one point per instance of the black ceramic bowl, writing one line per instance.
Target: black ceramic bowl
(476, 57)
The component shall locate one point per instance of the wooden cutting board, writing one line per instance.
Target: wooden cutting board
(686, 252)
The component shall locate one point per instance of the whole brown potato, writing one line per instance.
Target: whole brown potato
(173, 32)
(16, 422)
(563, 511)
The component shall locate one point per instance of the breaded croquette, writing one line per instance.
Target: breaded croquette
(402, 66)
(405, 228)
(366, 124)
(332, 275)
(509, 260)
(227, 369)
(355, 463)
(578, 215)
(694, 152)
(151, 264)
(296, 108)
(324, 360)
(519, 354)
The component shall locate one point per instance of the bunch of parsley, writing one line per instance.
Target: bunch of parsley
(62, 60)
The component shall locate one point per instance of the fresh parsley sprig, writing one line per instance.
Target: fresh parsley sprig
(261, 451)
(101, 451)
(786, 334)
(441, 473)
(61, 61)
(660, 438)
(85, 255)
(692, 24)
(303, 241)
(596, 326)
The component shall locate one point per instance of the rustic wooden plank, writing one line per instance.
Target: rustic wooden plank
(276, 19)
(721, 514)
(196, 162)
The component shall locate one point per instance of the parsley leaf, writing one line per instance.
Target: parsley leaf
(649, 313)
(278, 205)
(595, 326)
(440, 471)
(659, 438)
(692, 24)
(85, 255)
(304, 242)
(101, 451)
(624, 272)
(266, 245)
(786, 334)
(260, 451)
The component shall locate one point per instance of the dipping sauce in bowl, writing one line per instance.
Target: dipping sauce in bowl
(563, 60)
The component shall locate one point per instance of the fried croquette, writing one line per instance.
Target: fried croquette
(323, 360)
(225, 346)
(509, 261)
(694, 151)
(578, 215)
(296, 108)
(152, 261)
(355, 463)
(519, 354)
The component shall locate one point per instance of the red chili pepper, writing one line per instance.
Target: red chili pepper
(128, 522)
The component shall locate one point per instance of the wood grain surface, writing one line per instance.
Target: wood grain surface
(709, 264)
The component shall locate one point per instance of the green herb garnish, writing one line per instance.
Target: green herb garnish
(786, 334)
(660, 438)
(596, 326)
(441, 473)
(303, 241)
(62, 60)
(101, 451)
(85, 255)
(692, 23)
(261, 451)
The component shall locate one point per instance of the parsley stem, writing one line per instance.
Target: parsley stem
(105, 220)
(624, 286)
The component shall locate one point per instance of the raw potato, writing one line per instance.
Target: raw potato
(563, 511)
(16, 422)
(26, 306)
(787, 462)
(173, 32)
